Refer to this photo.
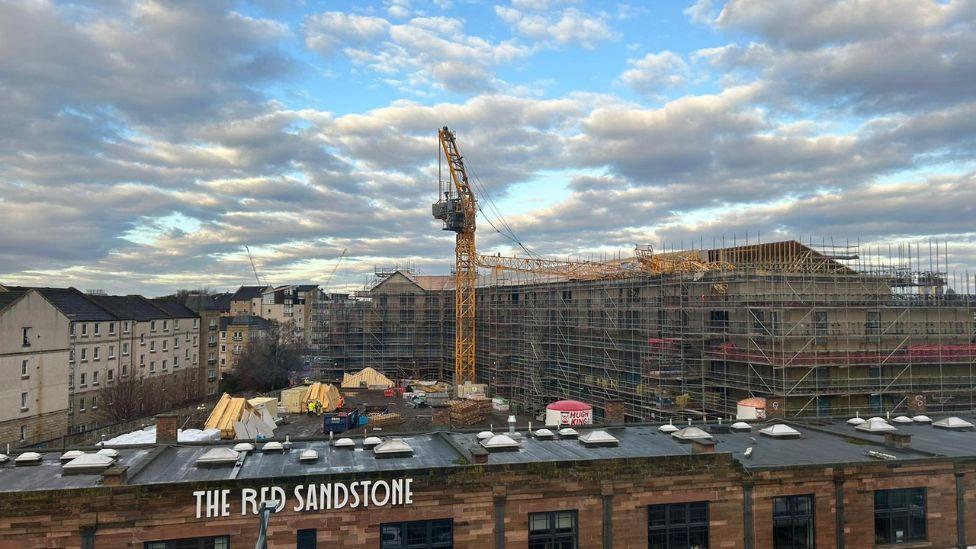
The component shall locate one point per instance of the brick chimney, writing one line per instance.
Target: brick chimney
(702, 447)
(479, 455)
(114, 476)
(898, 440)
(166, 427)
(613, 413)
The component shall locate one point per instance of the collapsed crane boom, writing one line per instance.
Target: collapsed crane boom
(456, 208)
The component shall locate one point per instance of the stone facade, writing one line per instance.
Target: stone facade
(490, 504)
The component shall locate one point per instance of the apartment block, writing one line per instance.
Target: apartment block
(34, 351)
(291, 307)
(247, 300)
(235, 334)
(81, 344)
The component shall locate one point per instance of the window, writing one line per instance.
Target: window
(176, 343)
(71, 329)
(142, 360)
(94, 381)
(84, 355)
(759, 321)
(899, 515)
(152, 366)
(111, 375)
(218, 542)
(82, 381)
(125, 349)
(678, 525)
(95, 354)
(125, 326)
(81, 404)
(26, 334)
(793, 522)
(213, 323)
(553, 530)
(84, 330)
(23, 432)
(71, 355)
(94, 405)
(96, 329)
(125, 370)
(176, 325)
(306, 539)
(420, 534)
(164, 364)
(111, 351)
(111, 328)
(195, 322)
(873, 324)
(176, 362)
(23, 402)
(820, 326)
(23, 369)
(71, 385)
(165, 343)
(142, 339)
(152, 325)
(152, 346)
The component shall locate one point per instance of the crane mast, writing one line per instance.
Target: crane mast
(455, 206)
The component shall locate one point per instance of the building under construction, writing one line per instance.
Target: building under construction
(817, 330)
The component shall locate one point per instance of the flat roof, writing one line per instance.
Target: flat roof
(820, 444)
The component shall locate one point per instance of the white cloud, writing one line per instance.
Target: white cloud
(425, 50)
(655, 71)
(327, 32)
(565, 27)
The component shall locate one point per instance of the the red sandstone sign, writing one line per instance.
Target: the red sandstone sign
(307, 497)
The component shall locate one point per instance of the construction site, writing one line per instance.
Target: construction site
(816, 332)
(809, 328)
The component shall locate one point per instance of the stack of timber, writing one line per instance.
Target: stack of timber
(469, 412)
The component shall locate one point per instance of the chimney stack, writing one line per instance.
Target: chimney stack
(166, 427)
(613, 413)
(898, 440)
(702, 447)
(479, 455)
(114, 476)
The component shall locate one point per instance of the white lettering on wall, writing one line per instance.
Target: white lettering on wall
(308, 497)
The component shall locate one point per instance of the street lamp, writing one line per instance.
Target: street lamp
(264, 514)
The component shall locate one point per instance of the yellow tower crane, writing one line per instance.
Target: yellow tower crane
(455, 206)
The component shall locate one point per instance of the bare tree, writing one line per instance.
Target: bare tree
(135, 397)
(267, 363)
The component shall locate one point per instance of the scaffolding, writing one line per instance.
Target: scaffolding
(817, 329)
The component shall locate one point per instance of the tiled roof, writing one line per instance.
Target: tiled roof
(250, 320)
(131, 307)
(76, 305)
(248, 292)
(174, 308)
(9, 297)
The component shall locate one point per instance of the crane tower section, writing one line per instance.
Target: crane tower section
(455, 206)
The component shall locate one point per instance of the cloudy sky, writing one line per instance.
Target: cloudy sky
(143, 144)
